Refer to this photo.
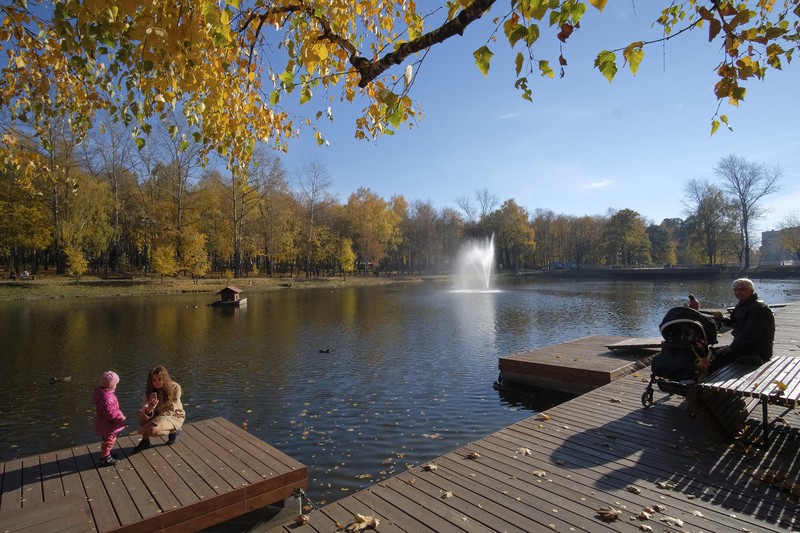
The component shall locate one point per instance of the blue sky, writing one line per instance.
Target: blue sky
(583, 146)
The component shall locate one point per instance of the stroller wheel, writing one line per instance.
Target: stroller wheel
(647, 398)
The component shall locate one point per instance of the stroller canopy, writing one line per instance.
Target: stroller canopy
(679, 317)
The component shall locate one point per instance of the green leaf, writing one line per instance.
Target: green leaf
(532, 35)
(606, 63)
(305, 94)
(173, 131)
(633, 55)
(483, 57)
(140, 142)
(518, 62)
(544, 68)
(274, 97)
(519, 32)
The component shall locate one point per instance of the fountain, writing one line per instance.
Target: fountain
(474, 266)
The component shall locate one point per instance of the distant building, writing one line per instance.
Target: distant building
(772, 251)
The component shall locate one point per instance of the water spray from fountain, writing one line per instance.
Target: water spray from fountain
(474, 266)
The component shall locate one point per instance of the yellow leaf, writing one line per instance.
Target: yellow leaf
(781, 385)
(598, 4)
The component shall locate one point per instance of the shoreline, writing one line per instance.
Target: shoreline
(56, 287)
(49, 286)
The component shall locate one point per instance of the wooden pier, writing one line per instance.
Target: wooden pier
(578, 366)
(602, 455)
(215, 472)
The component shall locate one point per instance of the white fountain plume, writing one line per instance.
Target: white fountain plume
(474, 266)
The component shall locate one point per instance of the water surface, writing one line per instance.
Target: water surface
(408, 378)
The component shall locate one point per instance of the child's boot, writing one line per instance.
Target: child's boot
(144, 444)
(108, 460)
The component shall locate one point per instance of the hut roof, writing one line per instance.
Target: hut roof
(230, 288)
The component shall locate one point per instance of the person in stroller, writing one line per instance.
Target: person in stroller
(753, 329)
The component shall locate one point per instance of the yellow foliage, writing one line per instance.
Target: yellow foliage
(146, 59)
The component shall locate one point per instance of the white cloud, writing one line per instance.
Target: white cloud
(599, 184)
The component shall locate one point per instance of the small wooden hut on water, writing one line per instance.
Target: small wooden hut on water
(230, 296)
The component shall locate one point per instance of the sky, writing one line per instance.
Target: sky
(584, 145)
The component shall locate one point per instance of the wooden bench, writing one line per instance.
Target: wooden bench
(736, 388)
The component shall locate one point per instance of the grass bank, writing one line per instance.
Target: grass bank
(50, 286)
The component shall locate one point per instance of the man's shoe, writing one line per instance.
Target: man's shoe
(108, 460)
(174, 436)
(144, 444)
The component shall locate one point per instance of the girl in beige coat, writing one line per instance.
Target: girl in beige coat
(162, 412)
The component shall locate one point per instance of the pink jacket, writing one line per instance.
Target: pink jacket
(108, 418)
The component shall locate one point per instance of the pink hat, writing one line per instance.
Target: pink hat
(109, 379)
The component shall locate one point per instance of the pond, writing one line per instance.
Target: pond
(408, 376)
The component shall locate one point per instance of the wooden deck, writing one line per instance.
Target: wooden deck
(556, 470)
(215, 472)
(576, 366)
(602, 449)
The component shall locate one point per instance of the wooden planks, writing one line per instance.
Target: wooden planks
(555, 474)
(574, 367)
(215, 472)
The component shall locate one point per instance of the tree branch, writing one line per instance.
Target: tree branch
(369, 70)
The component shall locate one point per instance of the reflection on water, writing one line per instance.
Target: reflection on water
(356, 383)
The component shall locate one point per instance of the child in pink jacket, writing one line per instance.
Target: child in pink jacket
(108, 420)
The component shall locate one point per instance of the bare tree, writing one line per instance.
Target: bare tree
(485, 203)
(747, 183)
(314, 183)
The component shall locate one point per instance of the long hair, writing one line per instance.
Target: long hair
(166, 394)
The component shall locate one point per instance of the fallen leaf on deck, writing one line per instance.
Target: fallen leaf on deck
(363, 522)
(615, 400)
(447, 494)
(643, 515)
(665, 485)
(430, 467)
(608, 514)
(524, 451)
(410, 481)
(645, 527)
(672, 521)
(539, 473)
(473, 455)
(633, 489)
(781, 385)
(541, 417)
(302, 520)
(697, 513)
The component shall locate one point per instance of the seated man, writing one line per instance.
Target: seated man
(753, 329)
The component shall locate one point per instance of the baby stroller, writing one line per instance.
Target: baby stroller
(688, 336)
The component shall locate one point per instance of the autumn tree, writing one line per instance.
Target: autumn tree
(626, 238)
(711, 218)
(789, 235)
(514, 237)
(229, 67)
(110, 155)
(24, 221)
(587, 233)
(747, 184)
(372, 222)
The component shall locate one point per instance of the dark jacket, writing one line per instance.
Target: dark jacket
(753, 329)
